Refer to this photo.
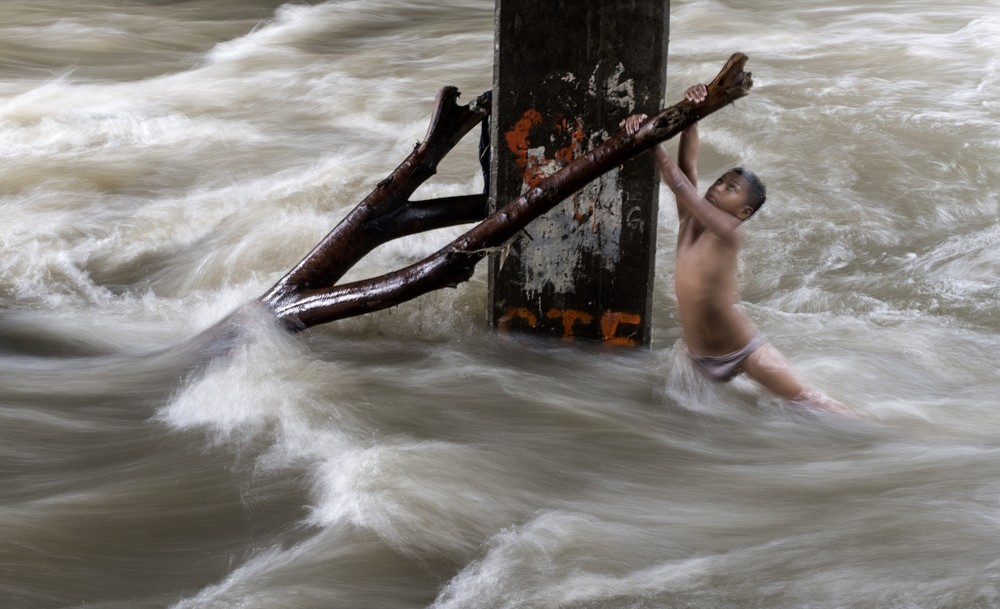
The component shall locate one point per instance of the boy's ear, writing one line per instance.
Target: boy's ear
(745, 212)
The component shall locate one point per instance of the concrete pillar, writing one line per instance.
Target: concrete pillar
(565, 73)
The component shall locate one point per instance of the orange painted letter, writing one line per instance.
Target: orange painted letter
(504, 322)
(569, 319)
(609, 327)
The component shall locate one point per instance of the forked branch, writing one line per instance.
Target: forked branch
(308, 295)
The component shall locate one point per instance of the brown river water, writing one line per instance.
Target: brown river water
(162, 163)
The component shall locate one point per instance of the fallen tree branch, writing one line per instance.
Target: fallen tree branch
(308, 296)
(383, 214)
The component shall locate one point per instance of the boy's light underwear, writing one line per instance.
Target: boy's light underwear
(721, 368)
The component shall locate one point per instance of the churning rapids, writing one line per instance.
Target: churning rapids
(162, 163)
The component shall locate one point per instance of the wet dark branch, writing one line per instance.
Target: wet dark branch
(442, 270)
(415, 218)
(422, 216)
(730, 84)
(349, 241)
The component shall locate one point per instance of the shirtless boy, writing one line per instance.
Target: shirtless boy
(721, 340)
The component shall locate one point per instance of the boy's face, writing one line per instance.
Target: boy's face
(729, 193)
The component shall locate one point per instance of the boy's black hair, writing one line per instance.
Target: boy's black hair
(758, 192)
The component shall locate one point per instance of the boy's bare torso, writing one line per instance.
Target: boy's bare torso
(707, 295)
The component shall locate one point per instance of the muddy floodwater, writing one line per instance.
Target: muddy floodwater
(162, 163)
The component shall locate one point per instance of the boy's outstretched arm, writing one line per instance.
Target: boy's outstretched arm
(669, 171)
(687, 151)
(715, 220)
(689, 202)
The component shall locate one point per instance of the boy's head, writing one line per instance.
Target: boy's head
(738, 192)
(756, 192)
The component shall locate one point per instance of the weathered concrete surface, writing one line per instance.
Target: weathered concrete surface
(566, 73)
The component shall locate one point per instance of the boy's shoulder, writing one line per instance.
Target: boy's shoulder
(691, 233)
